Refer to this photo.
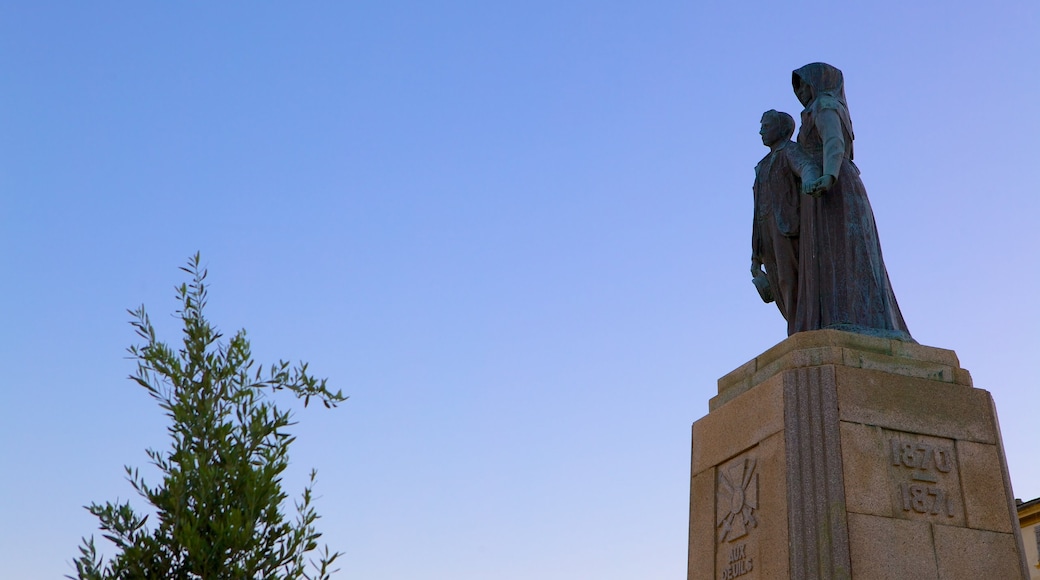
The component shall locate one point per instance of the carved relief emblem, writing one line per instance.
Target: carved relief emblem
(737, 500)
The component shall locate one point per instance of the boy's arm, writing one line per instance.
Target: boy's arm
(802, 165)
(756, 235)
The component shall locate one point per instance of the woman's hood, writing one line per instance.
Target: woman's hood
(823, 78)
(828, 87)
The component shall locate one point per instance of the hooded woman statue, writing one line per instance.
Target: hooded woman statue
(843, 283)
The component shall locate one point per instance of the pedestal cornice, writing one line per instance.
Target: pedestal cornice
(839, 348)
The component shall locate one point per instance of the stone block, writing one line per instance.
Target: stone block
(842, 348)
(738, 515)
(867, 482)
(981, 470)
(763, 371)
(823, 338)
(925, 353)
(967, 554)
(924, 478)
(915, 405)
(702, 526)
(891, 549)
(904, 367)
(736, 426)
(729, 394)
(739, 375)
(750, 528)
(962, 377)
(773, 548)
(796, 359)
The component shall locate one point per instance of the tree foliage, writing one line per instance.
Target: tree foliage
(218, 511)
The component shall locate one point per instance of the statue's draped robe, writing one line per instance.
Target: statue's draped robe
(843, 282)
(774, 237)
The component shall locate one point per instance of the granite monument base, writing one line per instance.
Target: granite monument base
(842, 456)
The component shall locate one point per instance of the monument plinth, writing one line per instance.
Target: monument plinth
(836, 455)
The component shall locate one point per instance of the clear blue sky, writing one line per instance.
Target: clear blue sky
(515, 233)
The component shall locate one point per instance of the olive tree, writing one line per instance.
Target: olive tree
(219, 509)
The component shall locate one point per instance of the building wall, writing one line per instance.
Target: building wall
(1029, 520)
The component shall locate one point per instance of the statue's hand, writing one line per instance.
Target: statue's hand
(821, 185)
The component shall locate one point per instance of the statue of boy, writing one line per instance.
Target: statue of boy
(778, 197)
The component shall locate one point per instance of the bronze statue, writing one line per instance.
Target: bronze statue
(842, 282)
(778, 192)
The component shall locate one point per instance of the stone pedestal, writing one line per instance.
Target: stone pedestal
(841, 456)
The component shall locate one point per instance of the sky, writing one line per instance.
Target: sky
(516, 234)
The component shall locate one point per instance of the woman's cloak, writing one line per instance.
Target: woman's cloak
(843, 283)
